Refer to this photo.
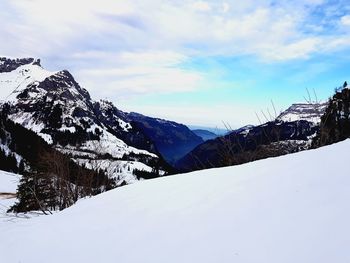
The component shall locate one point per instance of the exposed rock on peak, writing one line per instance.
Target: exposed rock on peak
(8, 64)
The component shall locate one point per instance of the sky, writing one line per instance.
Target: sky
(197, 62)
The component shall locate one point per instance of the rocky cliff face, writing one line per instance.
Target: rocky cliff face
(8, 65)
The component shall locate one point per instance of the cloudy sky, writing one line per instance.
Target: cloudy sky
(196, 62)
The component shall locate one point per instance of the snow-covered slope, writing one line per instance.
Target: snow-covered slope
(8, 187)
(8, 182)
(310, 112)
(288, 209)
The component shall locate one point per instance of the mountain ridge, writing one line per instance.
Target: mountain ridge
(291, 131)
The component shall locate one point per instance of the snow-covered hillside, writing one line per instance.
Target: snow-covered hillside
(8, 187)
(310, 112)
(288, 209)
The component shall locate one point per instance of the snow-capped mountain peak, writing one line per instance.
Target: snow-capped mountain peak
(17, 74)
(59, 110)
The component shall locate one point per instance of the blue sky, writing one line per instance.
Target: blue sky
(196, 62)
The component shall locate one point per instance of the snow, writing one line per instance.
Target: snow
(124, 125)
(8, 187)
(311, 112)
(27, 120)
(13, 82)
(107, 144)
(65, 128)
(8, 182)
(92, 152)
(122, 171)
(110, 144)
(106, 106)
(289, 209)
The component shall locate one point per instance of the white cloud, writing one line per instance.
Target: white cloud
(345, 20)
(154, 58)
(43, 27)
(141, 46)
(299, 49)
(225, 7)
(201, 6)
(140, 73)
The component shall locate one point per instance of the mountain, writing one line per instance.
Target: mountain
(214, 130)
(58, 109)
(248, 144)
(292, 131)
(311, 112)
(173, 140)
(205, 135)
(287, 209)
(20, 148)
(243, 130)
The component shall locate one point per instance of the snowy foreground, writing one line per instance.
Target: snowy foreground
(294, 208)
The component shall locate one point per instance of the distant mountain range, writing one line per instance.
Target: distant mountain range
(215, 130)
(205, 134)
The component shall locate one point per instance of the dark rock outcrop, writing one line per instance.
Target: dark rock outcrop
(8, 65)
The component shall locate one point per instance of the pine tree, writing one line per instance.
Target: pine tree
(26, 189)
(335, 123)
(21, 167)
(35, 193)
